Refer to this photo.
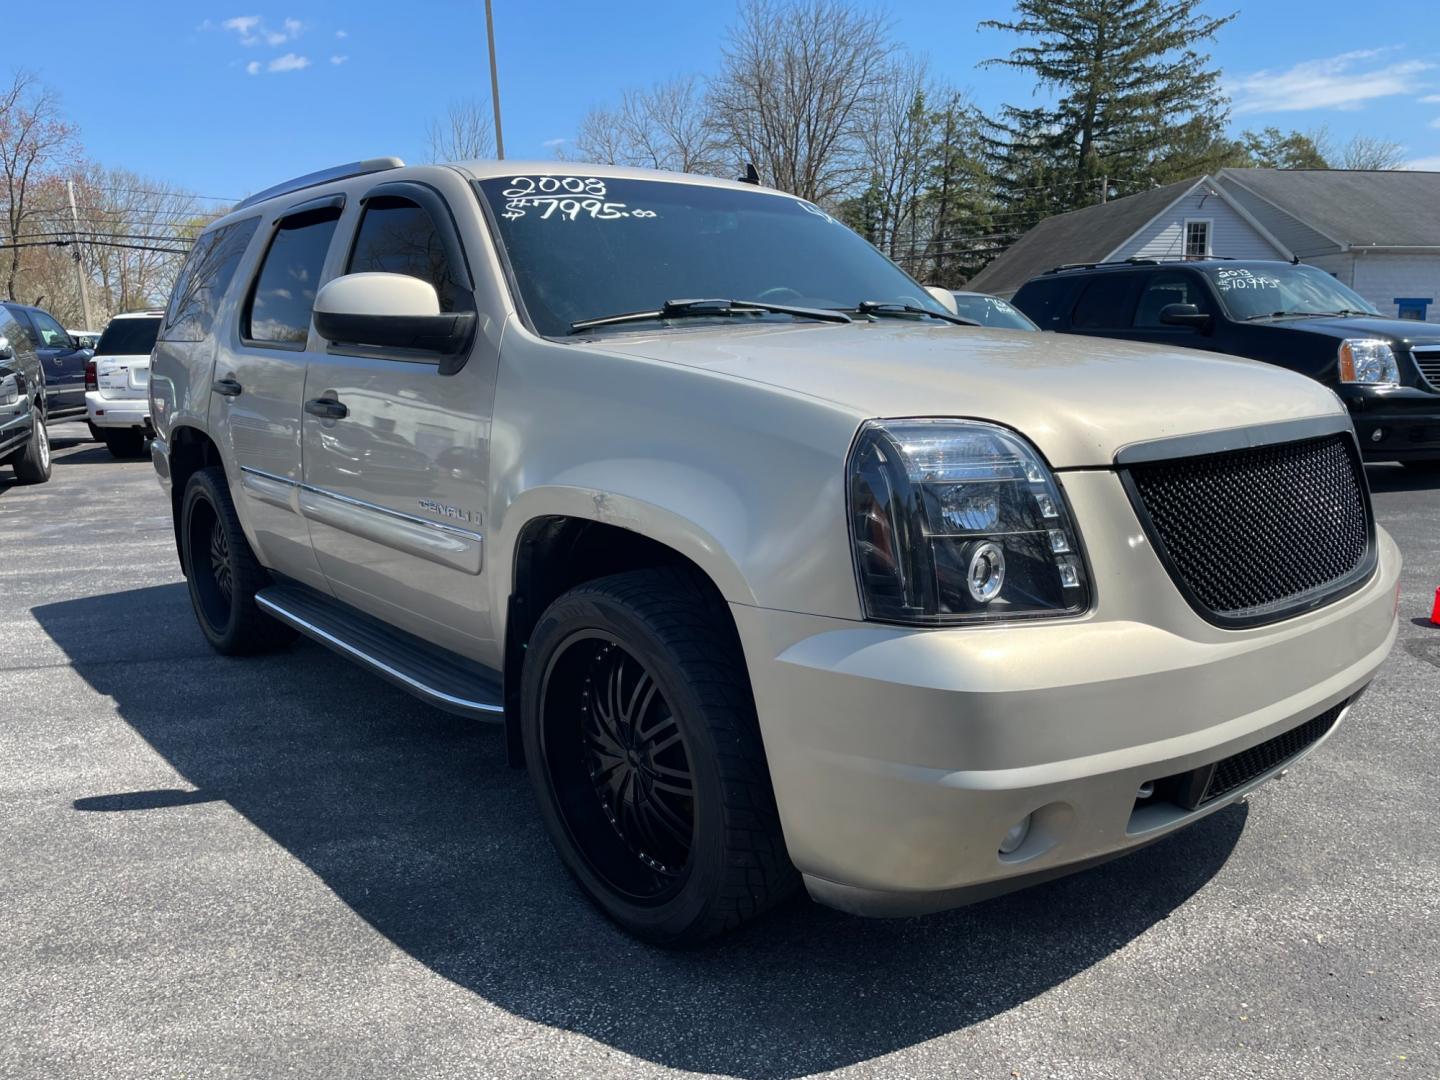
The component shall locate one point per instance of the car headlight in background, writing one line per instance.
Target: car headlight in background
(1366, 360)
(957, 521)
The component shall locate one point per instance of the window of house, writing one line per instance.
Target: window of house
(1105, 303)
(398, 237)
(203, 280)
(284, 293)
(1197, 239)
(1412, 307)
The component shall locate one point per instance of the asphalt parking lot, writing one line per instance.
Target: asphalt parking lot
(217, 867)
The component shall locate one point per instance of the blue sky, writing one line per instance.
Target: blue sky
(227, 99)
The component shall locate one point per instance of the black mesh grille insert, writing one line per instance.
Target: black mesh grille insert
(1243, 767)
(1252, 535)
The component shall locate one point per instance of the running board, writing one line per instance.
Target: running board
(432, 674)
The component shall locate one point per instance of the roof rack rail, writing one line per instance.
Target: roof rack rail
(324, 176)
(1095, 265)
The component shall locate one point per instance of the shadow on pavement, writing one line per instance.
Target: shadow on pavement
(412, 818)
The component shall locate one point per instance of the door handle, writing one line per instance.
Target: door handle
(327, 408)
(226, 387)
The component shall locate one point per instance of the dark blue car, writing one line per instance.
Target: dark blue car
(62, 357)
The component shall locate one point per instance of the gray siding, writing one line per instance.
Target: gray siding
(1300, 238)
(1230, 234)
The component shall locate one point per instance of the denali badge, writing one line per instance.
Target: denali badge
(444, 510)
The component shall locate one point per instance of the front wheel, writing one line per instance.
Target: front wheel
(32, 463)
(644, 752)
(222, 571)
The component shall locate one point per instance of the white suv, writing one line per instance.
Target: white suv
(117, 382)
(773, 568)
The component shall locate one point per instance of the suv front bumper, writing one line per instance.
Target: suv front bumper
(901, 757)
(1395, 423)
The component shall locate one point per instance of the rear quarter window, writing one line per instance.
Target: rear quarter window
(1042, 300)
(204, 280)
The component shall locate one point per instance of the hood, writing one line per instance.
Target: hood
(1078, 399)
(1398, 331)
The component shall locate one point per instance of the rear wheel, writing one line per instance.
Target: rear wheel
(124, 442)
(95, 435)
(222, 571)
(32, 463)
(645, 754)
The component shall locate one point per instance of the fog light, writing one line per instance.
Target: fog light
(1377, 434)
(987, 572)
(1016, 836)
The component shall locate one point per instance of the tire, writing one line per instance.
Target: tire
(124, 442)
(222, 572)
(622, 772)
(32, 464)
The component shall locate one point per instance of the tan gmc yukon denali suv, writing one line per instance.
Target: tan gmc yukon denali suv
(775, 571)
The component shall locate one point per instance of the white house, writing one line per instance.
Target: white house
(1378, 232)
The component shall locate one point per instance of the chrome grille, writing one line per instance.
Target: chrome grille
(1427, 359)
(1255, 535)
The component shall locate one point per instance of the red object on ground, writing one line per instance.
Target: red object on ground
(1435, 611)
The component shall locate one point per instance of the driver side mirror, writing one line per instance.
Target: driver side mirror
(7, 351)
(946, 298)
(394, 311)
(1184, 315)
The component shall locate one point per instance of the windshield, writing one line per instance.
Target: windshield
(585, 247)
(1248, 292)
(991, 311)
(128, 337)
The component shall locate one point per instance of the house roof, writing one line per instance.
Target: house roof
(1086, 235)
(1354, 208)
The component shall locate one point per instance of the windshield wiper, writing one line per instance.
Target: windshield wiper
(1306, 314)
(884, 309)
(695, 309)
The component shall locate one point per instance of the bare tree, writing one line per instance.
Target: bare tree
(898, 141)
(464, 133)
(665, 127)
(35, 144)
(796, 80)
(1370, 152)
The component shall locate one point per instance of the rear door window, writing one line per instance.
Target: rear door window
(1041, 299)
(128, 337)
(396, 236)
(284, 294)
(52, 334)
(1105, 303)
(203, 281)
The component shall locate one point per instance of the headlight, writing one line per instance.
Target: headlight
(1365, 360)
(956, 521)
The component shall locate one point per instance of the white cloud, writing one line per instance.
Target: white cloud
(337, 60)
(288, 62)
(1430, 99)
(342, 33)
(1346, 82)
(252, 30)
(1425, 164)
(252, 68)
(1435, 123)
(551, 144)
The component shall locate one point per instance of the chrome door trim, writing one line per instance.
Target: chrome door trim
(436, 541)
(409, 682)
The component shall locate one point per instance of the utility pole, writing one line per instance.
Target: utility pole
(1104, 189)
(494, 82)
(75, 253)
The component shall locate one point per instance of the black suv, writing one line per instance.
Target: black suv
(1387, 371)
(24, 442)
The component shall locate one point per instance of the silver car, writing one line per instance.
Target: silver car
(776, 572)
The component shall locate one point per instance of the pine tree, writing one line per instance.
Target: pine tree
(1131, 91)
